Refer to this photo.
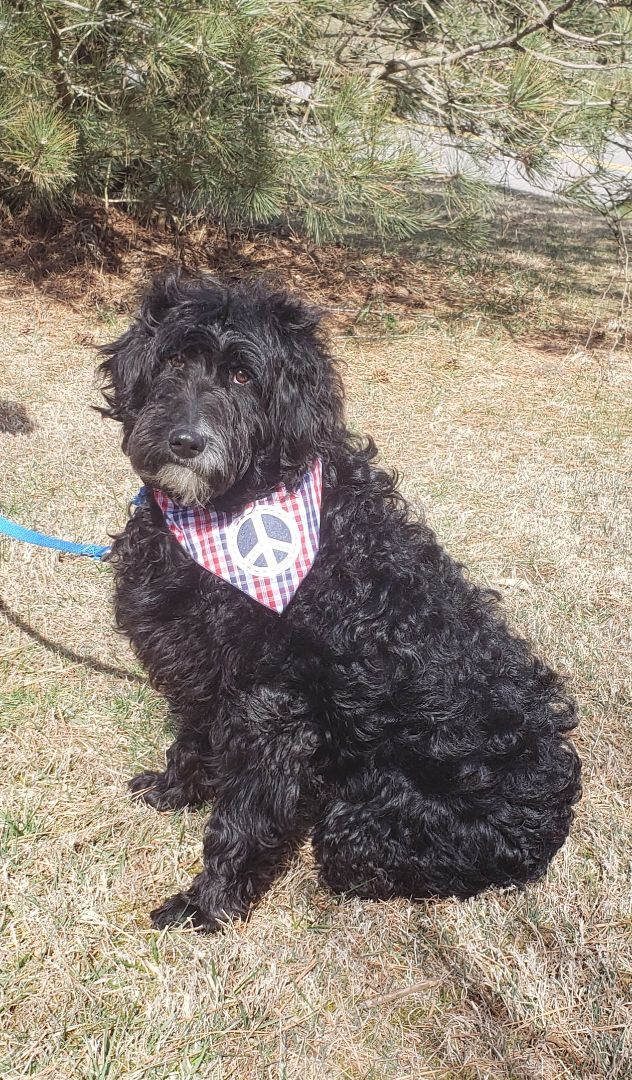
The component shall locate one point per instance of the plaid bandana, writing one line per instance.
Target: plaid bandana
(265, 550)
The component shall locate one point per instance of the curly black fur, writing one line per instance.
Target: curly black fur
(388, 712)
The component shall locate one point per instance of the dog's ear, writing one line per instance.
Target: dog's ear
(131, 361)
(306, 406)
(126, 372)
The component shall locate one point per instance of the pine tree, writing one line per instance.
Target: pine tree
(325, 115)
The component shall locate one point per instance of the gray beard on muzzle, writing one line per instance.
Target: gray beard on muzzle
(192, 482)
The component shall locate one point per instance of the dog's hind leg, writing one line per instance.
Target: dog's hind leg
(369, 841)
(184, 782)
(358, 852)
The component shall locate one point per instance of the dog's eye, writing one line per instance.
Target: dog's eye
(175, 361)
(240, 376)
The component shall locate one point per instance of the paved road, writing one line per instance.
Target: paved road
(570, 164)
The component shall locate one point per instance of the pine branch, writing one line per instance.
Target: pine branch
(582, 39)
(449, 59)
(62, 87)
(576, 65)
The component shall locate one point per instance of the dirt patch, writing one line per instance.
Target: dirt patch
(531, 280)
(77, 258)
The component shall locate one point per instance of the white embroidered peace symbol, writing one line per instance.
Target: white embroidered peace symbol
(264, 542)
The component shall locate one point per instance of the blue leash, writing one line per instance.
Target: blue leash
(31, 536)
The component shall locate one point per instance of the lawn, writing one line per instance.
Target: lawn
(499, 386)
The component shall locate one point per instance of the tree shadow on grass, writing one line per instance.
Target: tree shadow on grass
(91, 662)
(542, 277)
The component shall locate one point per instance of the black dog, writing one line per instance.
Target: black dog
(387, 711)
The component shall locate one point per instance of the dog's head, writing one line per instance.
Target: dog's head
(221, 388)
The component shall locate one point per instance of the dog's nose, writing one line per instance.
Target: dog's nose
(185, 443)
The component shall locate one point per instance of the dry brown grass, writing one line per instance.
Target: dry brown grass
(519, 455)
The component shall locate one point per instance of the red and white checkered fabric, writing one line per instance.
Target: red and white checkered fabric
(266, 550)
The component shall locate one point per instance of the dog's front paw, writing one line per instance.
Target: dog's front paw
(180, 910)
(153, 788)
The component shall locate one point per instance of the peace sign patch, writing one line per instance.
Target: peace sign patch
(265, 541)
